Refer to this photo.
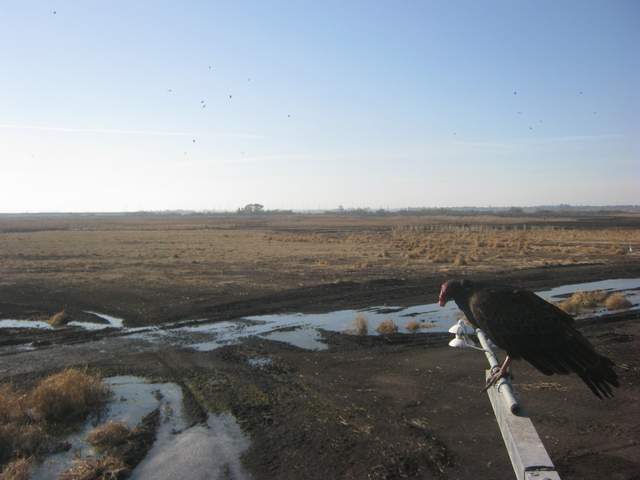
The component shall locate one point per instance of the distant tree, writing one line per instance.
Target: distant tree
(252, 208)
(515, 211)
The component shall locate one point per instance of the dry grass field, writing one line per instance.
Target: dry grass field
(239, 253)
(151, 261)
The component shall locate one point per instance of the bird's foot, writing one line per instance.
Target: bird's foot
(496, 374)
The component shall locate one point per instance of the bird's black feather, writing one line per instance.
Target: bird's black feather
(526, 326)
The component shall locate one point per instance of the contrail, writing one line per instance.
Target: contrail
(115, 131)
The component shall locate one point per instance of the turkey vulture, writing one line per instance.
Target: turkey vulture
(526, 326)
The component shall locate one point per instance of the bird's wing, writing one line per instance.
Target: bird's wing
(528, 327)
(519, 321)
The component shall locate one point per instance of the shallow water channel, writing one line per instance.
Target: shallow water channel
(303, 330)
(205, 451)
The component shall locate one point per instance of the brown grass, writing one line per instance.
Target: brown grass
(460, 260)
(12, 404)
(387, 327)
(109, 435)
(18, 469)
(21, 440)
(413, 325)
(59, 319)
(105, 468)
(617, 301)
(247, 256)
(580, 301)
(28, 417)
(69, 395)
(360, 325)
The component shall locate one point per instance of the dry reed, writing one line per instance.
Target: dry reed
(387, 327)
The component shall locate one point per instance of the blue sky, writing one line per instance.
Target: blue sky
(380, 104)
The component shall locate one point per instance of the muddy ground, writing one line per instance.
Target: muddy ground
(406, 406)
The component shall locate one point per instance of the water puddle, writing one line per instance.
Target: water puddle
(113, 322)
(629, 287)
(259, 362)
(110, 322)
(303, 330)
(10, 323)
(204, 451)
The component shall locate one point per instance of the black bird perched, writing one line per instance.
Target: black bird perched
(526, 326)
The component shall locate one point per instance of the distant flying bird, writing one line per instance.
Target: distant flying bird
(526, 326)
(169, 90)
(580, 92)
(519, 113)
(515, 93)
(54, 12)
(230, 97)
(530, 127)
(194, 140)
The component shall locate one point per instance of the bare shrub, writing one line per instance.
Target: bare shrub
(59, 319)
(459, 260)
(18, 469)
(68, 395)
(413, 325)
(618, 250)
(617, 301)
(387, 327)
(109, 435)
(360, 325)
(12, 404)
(105, 468)
(21, 440)
(580, 301)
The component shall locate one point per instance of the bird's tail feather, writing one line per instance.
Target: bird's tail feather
(595, 370)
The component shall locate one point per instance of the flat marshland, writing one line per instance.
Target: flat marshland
(148, 267)
(376, 403)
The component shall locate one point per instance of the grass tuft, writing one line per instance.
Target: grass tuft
(459, 260)
(360, 325)
(109, 435)
(387, 327)
(105, 468)
(59, 319)
(69, 395)
(413, 325)
(26, 418)
(18, 469)
(617, 301)
(580, 301)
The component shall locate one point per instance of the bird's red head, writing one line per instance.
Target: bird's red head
(442, 298)
(454, 290)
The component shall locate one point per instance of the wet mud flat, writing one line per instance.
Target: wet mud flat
(398, 406)
(374, 407)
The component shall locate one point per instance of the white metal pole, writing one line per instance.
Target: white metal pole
(503, 385)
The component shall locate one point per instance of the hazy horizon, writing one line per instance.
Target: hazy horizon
(144, 106)
(560, 208)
